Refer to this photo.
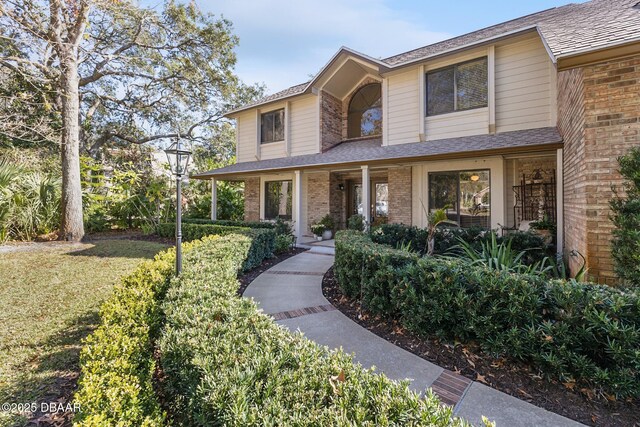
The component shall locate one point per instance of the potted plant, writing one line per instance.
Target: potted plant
(318, 229)
(329, 225)
(545, 228)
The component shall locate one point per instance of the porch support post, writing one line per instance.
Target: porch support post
(366, 195)
(297, 205)
(560, 202)
(214, 199)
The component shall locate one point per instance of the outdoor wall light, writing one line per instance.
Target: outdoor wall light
(178, 161)
(341, 187)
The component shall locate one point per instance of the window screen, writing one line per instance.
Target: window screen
(456, 88)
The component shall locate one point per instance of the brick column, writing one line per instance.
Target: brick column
(318, 196)
(252, 199)
(400, 195)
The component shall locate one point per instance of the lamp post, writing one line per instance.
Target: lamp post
(178, 161)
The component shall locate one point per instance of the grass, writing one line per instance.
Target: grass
(49, 301)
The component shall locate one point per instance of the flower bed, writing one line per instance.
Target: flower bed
(571, 331)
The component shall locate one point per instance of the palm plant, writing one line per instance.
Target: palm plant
(434, 219)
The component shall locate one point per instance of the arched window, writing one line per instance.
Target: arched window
(365, 112)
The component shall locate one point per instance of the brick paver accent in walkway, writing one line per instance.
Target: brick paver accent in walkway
(302, 312)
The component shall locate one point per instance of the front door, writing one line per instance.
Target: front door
(379, 209)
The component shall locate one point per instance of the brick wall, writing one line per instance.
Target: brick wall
(599, 118)
(347, 100)
(330, 121)
(612, 127)
(400, 195)
(571, 127)
(338, 199)
(252, 199)
(318, 197)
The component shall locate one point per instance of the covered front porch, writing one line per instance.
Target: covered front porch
(493, 192)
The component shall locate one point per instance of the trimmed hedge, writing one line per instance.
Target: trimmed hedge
(226, 363)
(230, 223)
(115, 387)
(117, 361)
(569, 330)
(263, 240)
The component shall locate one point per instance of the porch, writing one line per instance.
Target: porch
(492, 192)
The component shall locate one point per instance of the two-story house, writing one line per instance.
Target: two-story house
(503, 126)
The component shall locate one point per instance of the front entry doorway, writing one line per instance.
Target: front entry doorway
(379, 209)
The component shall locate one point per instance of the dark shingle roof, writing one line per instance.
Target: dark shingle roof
(566, 30)
(371, 150)
(293, 90)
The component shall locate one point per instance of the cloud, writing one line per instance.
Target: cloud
(282, 42)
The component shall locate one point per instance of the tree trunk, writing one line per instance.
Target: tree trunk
(72, 227)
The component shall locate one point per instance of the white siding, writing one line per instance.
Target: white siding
(272, 150)
(304, 121)
(403, 116)
(462, 123)
(247, 136)
(524, 93)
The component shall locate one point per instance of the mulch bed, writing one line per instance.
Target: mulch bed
(248, 277)
(508, 376)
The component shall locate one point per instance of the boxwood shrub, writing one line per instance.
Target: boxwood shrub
(226, 363)
(571, 331)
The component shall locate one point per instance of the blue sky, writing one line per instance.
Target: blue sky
(283, 42)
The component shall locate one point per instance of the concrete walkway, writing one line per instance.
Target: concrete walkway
(291, 292)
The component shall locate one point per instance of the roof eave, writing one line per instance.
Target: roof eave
(487, 40)
(546, 146)
(592, 55)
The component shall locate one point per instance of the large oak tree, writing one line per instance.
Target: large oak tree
(98, 72)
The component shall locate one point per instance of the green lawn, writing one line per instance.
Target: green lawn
(49, 301)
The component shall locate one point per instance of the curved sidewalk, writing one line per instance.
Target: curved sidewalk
(291, 292)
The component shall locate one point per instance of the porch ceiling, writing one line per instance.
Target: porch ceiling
(372, 152)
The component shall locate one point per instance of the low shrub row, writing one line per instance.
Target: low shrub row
(263, 239)
(230, 223)
(571, 331)
(117, 360)
(226, 363)
(115, 387)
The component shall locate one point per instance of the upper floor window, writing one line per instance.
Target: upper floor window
(457, 88)
(272, 126)
(365, 112)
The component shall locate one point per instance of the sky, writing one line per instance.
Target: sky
(285, 42)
